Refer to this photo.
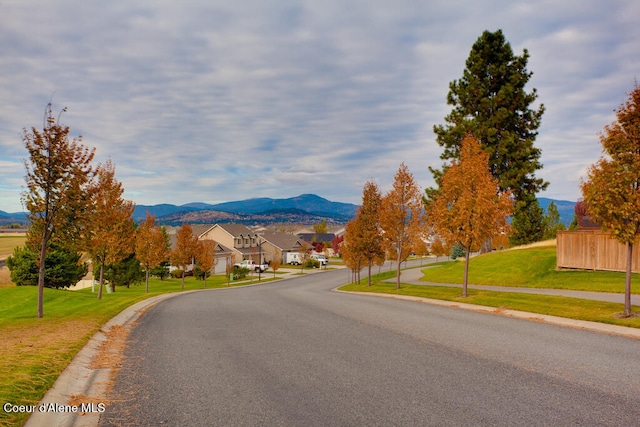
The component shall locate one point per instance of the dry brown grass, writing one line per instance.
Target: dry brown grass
(5, 278)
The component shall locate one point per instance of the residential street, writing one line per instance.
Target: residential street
(294, 353)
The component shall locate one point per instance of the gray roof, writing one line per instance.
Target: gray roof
(283, 241)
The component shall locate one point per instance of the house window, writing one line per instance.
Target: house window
(239, 245)
(246, 242)
(253, 241)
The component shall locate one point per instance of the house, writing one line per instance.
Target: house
(313, 239)
(241, 241)
(222, 252)
(277, 244)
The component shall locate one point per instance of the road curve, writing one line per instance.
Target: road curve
(295, 353)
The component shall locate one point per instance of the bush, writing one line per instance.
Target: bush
(240, 273)
(62, 267)
(312, 263)
(457, 251)
(177, 273)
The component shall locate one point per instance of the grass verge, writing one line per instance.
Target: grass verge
(572, 308)
(529, 268)
(35, 351)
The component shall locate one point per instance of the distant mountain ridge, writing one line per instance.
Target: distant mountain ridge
(305, 208)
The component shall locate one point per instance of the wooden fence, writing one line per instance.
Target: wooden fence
(593, 250)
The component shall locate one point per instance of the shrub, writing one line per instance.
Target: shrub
(312, 263)
(240, 273)
(457, 251)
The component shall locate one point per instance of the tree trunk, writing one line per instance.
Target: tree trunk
(101, 282)
(43, 254)
(398, 270)
(183, 271)
(466, 272)
(146, 280)
(369, 278)
(627, 287)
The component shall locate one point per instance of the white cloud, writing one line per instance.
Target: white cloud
(207, 100)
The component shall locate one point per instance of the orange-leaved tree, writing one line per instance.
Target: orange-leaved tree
(469, 206)
(612, 188)
(109, 236)
(59, 173)
(184, 253)
(402, 217)
(365, 234)
(151, 246)
(205, 258)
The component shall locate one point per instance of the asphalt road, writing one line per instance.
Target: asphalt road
(293, 353)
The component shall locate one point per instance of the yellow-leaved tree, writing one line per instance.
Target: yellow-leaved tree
(469, 206)
(109, 235)
(402, 217)
(612, 188)
(59, 175)
(151, 246)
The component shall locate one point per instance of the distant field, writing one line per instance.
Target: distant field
(8, 243)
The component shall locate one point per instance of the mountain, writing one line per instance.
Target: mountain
(7, 218)
(303, 209)
(310, 203)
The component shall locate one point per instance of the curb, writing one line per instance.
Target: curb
(79, 379)
(535, 317)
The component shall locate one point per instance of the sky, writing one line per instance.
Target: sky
(213, 101)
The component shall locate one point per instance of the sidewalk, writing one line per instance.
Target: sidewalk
(412, 276)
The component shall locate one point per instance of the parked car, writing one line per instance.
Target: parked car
(247, 263)
(320, 258)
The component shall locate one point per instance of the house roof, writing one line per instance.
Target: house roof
(236, 229)
(283, 241)
(316, 237)
(200, 229)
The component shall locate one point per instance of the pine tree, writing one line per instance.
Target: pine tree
(490, 102)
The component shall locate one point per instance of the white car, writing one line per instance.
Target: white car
(320, 258)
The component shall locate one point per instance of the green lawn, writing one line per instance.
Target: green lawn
(530, 268)
(35, 351)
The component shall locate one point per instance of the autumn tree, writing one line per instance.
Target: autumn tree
(490, 101)
(276, 262)
(205, 258)
(151, 246)
(321, 227)
(470, 206)
(401, 216)
(438, 248)
(58, 178)
(612, 189)
(184, 252)
(109, 236)
(365, 234)
(352, 258)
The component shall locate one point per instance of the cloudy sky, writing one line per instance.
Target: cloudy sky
(211, 101)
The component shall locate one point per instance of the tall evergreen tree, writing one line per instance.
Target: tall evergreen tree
(490, 102)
